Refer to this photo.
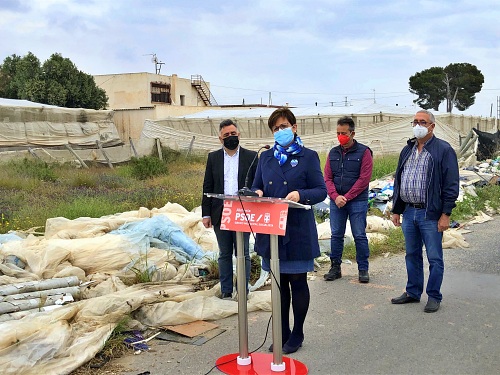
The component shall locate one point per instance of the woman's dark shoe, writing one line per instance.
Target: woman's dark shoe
(293, 344)
(287, 349)
(283, 340)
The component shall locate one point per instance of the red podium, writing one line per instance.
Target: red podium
(268, 216)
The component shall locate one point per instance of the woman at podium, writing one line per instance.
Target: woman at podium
(291, 171)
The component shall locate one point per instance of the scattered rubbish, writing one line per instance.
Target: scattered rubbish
(67, 297)
(454, 224)
(488, 144)
(347, 261)
(136, 341)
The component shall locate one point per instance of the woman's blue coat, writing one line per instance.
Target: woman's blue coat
(301, 172)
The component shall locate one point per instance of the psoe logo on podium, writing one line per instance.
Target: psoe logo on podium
(259, 217)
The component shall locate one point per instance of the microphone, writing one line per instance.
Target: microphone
(245, 190)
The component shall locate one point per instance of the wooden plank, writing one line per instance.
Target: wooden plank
(76, 156)
(132, 145)
(190, 149)
(104, 153)
(158, 147)
(32, 152)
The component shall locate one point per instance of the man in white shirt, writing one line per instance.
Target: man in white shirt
(225, 173)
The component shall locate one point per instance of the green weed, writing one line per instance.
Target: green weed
(393, 243)
(114, 346)
(35, 169)
(384, 165)
(488, 197)
(148, 167)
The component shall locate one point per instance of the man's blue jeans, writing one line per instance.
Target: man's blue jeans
(227, 246)
(420, 231)
(356, 211)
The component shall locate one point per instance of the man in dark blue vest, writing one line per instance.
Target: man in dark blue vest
(348, 171)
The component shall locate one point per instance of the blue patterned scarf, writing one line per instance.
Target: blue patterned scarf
(282, 153)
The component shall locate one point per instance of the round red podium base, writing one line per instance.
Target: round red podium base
(261, 365)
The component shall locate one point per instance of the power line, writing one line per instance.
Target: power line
(306, 93)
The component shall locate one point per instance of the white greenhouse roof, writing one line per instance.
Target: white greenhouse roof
(357, 109)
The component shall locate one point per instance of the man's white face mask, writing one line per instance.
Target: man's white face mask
(420, 131)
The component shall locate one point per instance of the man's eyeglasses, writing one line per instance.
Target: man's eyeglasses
(421, 122)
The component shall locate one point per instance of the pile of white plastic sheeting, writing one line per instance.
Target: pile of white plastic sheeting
(85, 227)
(107, 252)
(64, 339)
(129, 242)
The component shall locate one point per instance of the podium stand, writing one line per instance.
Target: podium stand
(267, 216)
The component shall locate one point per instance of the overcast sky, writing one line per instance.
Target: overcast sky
(296, 52)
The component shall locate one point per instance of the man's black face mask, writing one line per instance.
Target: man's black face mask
(231, 142)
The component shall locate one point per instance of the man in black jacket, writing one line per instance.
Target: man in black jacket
(225, 173)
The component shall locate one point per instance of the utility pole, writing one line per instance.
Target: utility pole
(374, 99)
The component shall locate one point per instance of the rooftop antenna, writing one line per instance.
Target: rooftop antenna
(154, 60)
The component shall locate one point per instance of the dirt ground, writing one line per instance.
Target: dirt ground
(350, 310)
(118, 365)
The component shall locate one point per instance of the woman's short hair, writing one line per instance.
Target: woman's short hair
(281, 112)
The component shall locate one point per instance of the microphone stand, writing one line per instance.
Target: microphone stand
(245, 190)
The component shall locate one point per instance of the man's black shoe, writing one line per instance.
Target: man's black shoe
(404, 298)
(363, 276)
(226, 296)
(431, 306)
(334, 273)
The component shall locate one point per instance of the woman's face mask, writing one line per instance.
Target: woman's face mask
(284, 137)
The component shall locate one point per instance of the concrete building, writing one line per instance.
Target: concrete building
(135, 97)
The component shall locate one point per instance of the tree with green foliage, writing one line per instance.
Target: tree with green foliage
(56, 82)
(457, 84)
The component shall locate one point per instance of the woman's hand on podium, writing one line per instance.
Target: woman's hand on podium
(293, 196)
